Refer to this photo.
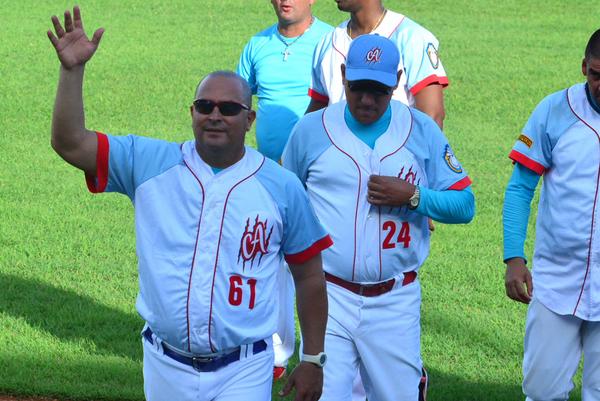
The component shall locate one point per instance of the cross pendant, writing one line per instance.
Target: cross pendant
(286, 53)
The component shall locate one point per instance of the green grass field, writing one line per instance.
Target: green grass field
(68, 279)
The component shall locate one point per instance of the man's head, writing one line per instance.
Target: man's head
(353, 6)
(292, 11)
(370, 76)
(591, 65)
(221, 114)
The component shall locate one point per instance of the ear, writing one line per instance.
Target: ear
(192, 111)
(398, 79)
(250, 120)
(584, 67)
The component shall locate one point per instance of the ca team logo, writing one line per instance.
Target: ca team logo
(374, 55)
(254, 242)
(452, 161)
(432, 53)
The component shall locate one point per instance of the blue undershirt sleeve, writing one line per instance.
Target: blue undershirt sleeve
(516, 210)
(450, 207)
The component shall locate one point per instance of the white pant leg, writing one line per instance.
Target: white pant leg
(552, 353)
(358, 389)
(284, 341)
(591, 361)
(342, 358)
(166, 379)
(389, 344)
(252, 380)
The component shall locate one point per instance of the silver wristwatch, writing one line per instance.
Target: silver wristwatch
(413, 201)
(318, 359)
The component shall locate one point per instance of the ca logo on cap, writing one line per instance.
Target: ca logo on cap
(374, 55)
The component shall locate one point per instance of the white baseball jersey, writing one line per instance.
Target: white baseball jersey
(209, 246)
(419, 61)
(372, 243)
(561, 140)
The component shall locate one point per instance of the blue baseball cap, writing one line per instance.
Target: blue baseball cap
(373, 58)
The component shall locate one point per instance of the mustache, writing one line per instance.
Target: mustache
(214, 126)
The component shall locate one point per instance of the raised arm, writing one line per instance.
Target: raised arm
(70, 139)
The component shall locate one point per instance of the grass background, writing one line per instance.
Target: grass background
(68, 279)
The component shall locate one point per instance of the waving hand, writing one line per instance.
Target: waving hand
(71, 43)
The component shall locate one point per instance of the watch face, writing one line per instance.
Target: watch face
(323, 359)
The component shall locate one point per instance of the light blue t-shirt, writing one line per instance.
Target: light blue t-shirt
(281, 85)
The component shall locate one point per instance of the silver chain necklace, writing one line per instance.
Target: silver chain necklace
(286, 51)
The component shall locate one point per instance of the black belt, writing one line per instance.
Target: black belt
(205, 364)
(370, 290)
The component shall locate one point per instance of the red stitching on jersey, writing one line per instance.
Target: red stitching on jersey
(187, 305)
(587, 269)
(379, 239)
(394, 30)
(359, 187)
(430, 80)
(310, 252)
(335, 48)
(212, 291)
(98, 183)
(531, 164)
(405, 140)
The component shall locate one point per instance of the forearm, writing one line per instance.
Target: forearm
(450, 207)
(516, 210)
(70, 139)
(311, 302)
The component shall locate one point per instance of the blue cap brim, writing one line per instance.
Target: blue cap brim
(359, 74)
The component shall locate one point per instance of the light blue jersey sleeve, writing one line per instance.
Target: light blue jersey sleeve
(245, 67)
(419, 47)
(306, 143)
(303, 235)
(126, 162)
(430, 146)
(551, 118)
(516, 210)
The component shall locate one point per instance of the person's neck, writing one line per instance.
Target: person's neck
(294, 29)
(220, 158)
(366, 19)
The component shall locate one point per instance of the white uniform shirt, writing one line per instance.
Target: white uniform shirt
(209, 246)
(419, 61)
(372, 243)
(562, 141)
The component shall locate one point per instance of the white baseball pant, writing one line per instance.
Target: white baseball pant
(553, 347)
(380, 336)
(250, 378)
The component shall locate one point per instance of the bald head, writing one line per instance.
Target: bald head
(244, 87)
(593, 47)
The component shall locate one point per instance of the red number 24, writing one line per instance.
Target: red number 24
(403, 234)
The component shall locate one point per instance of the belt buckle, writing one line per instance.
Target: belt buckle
(198, 361)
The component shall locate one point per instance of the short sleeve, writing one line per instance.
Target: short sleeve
(304, 237)
(245, 67)
(420, 56)
(533, 148)
(442, 167)
(318, 88)
(125, 162)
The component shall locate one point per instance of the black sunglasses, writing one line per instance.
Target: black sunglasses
(370, 87)
(204, 106)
